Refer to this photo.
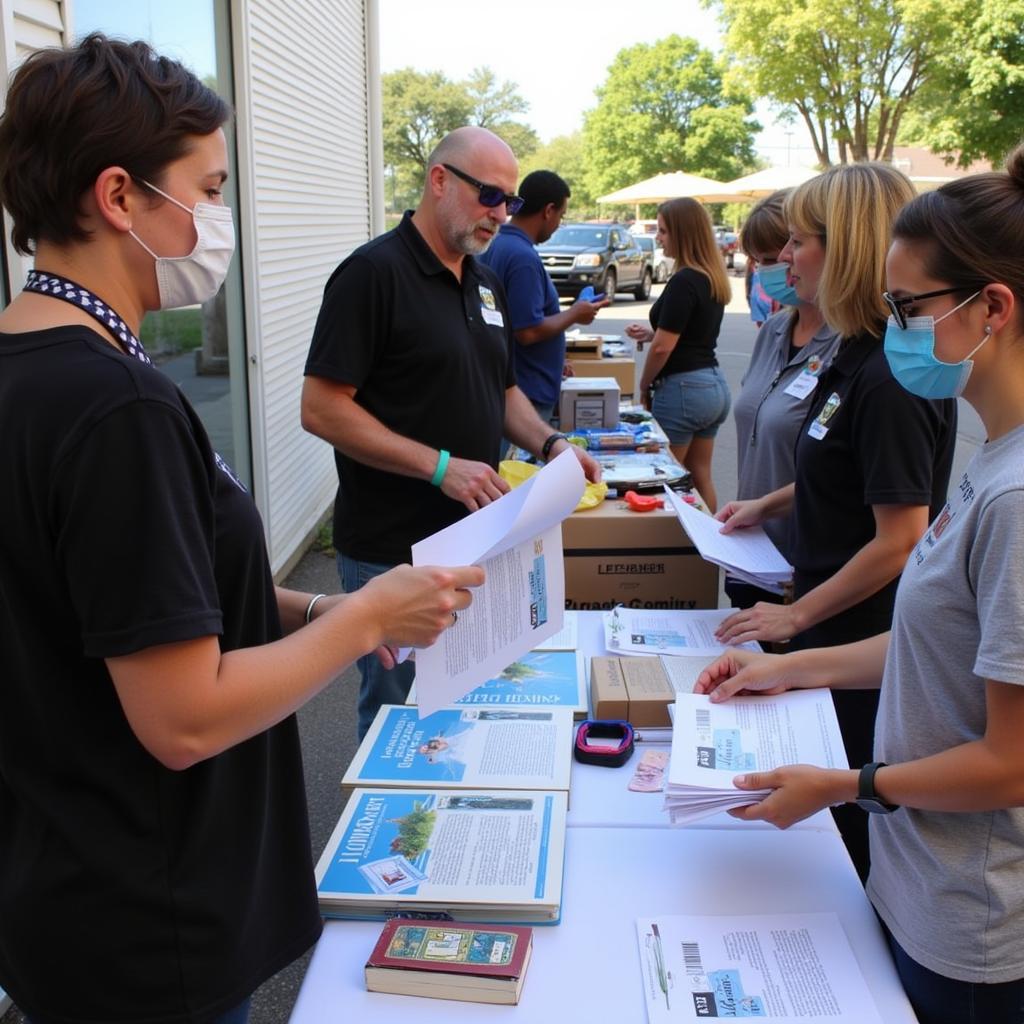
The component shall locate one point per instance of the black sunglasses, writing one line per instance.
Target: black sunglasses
(898, 306)
(490, 195)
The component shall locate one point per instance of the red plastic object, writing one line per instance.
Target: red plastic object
(643, 502)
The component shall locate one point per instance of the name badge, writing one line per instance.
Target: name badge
(818, 428)
(817, 431)
(492, 316)
(802, 385)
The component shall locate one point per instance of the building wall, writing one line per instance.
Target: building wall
(306, 148)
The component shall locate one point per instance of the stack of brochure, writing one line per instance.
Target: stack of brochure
(466, 748)
(713, 743)
(475, 855)
(748, 554)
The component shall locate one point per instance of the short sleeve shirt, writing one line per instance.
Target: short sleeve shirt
(951, 886)
(776, 392)
(430, 357)
(531, 297)
(685, 307)
(129, 891)
(865, 441)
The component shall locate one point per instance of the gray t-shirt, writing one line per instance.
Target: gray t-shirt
(767, 418)
(951, 886)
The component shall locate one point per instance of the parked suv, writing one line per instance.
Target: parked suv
(602, 255)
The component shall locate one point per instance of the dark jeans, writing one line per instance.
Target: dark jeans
(378, 685)
(940, 1000)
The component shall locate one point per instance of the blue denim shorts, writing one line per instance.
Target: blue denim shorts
(692, 404)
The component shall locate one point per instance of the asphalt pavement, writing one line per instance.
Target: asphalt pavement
(327, 723)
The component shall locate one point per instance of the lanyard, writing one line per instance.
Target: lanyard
(58, 287)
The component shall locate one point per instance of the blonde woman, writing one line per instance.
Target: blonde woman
(791, 351)
(690, 396)
(872, 461)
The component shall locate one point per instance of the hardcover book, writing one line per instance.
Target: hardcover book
(450, 961)
(466, 747)
(475, 855)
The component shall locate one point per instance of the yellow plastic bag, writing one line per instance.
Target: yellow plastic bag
(517, 473)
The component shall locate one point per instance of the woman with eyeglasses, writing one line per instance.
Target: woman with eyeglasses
(154, 846)
(791, 350)
(946, 781)
(690, 397)
(872, 461)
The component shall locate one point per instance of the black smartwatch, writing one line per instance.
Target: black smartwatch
(867, 798)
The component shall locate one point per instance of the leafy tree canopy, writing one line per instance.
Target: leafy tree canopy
(666, 107)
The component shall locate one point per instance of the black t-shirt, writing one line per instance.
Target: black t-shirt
(429, 356)
(129, 892)
(876, 444)
(686, 308)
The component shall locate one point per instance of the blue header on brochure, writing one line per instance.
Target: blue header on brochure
(422, 749)
(539, 677)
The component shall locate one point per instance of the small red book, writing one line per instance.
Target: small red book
(444, 960)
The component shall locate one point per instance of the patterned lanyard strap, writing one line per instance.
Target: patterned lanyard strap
(58, 287)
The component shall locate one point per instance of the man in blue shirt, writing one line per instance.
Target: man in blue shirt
(538, 321)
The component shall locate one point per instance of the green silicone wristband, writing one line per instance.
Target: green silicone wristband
(442, 468)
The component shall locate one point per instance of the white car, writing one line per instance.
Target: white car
(660, 263)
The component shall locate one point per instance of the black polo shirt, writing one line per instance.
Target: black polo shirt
(865, 441)
(429, 356)
(686, 308)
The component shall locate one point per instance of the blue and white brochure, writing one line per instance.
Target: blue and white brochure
(466, 747)
(538, 679)
(779, 967)
(476, 855)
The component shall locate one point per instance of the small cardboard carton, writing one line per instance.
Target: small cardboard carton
(636, 689)
(589, 402)
(622, 369)
(584, 346)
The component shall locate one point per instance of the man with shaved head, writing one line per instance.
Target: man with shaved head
(410, 377)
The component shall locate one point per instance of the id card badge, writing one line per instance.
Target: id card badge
(819, 428)
(489, 308)
(802, 385)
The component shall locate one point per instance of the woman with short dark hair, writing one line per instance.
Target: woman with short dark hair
(154, 846)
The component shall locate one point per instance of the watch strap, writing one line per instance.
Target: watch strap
(867, 795)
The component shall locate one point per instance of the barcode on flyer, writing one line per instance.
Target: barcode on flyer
(703, 718)
(691, 959)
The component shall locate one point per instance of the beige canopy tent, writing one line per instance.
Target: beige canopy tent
(664, 186)
(764, 182)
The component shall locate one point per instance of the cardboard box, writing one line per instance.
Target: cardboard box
(584, 346)
(638, 559)
(623, 370)
(589, 402)
(636, 689)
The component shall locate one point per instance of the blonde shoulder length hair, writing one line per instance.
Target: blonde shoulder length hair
(852, 209)
(691, 243)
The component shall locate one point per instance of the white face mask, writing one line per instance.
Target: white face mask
(192, 279)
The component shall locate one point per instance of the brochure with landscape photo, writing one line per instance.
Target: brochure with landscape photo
(477, 855)
(539, 679)
(466, 747)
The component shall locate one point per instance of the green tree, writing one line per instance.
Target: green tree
(850, 70)
(973, 108)
(665, 107)
(564, 155)
(421, 107)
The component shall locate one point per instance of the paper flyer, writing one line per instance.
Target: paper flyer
(680, 633)
(479, 747)
(518, 542)
(772, 968)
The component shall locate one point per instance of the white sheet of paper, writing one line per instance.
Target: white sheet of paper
(766, 967)
(749, 551)
(688, 634)
(518, 541)
(566, 639)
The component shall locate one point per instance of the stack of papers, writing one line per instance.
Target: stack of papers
(713, 743)
(747, 554)
(680, 634)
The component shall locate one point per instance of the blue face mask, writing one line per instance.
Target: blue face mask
(773, 281)
(911, 355)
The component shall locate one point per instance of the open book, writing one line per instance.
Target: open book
(518, 541)
(470, 747)
(476, 855)
(747, 554)
(713, 743)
